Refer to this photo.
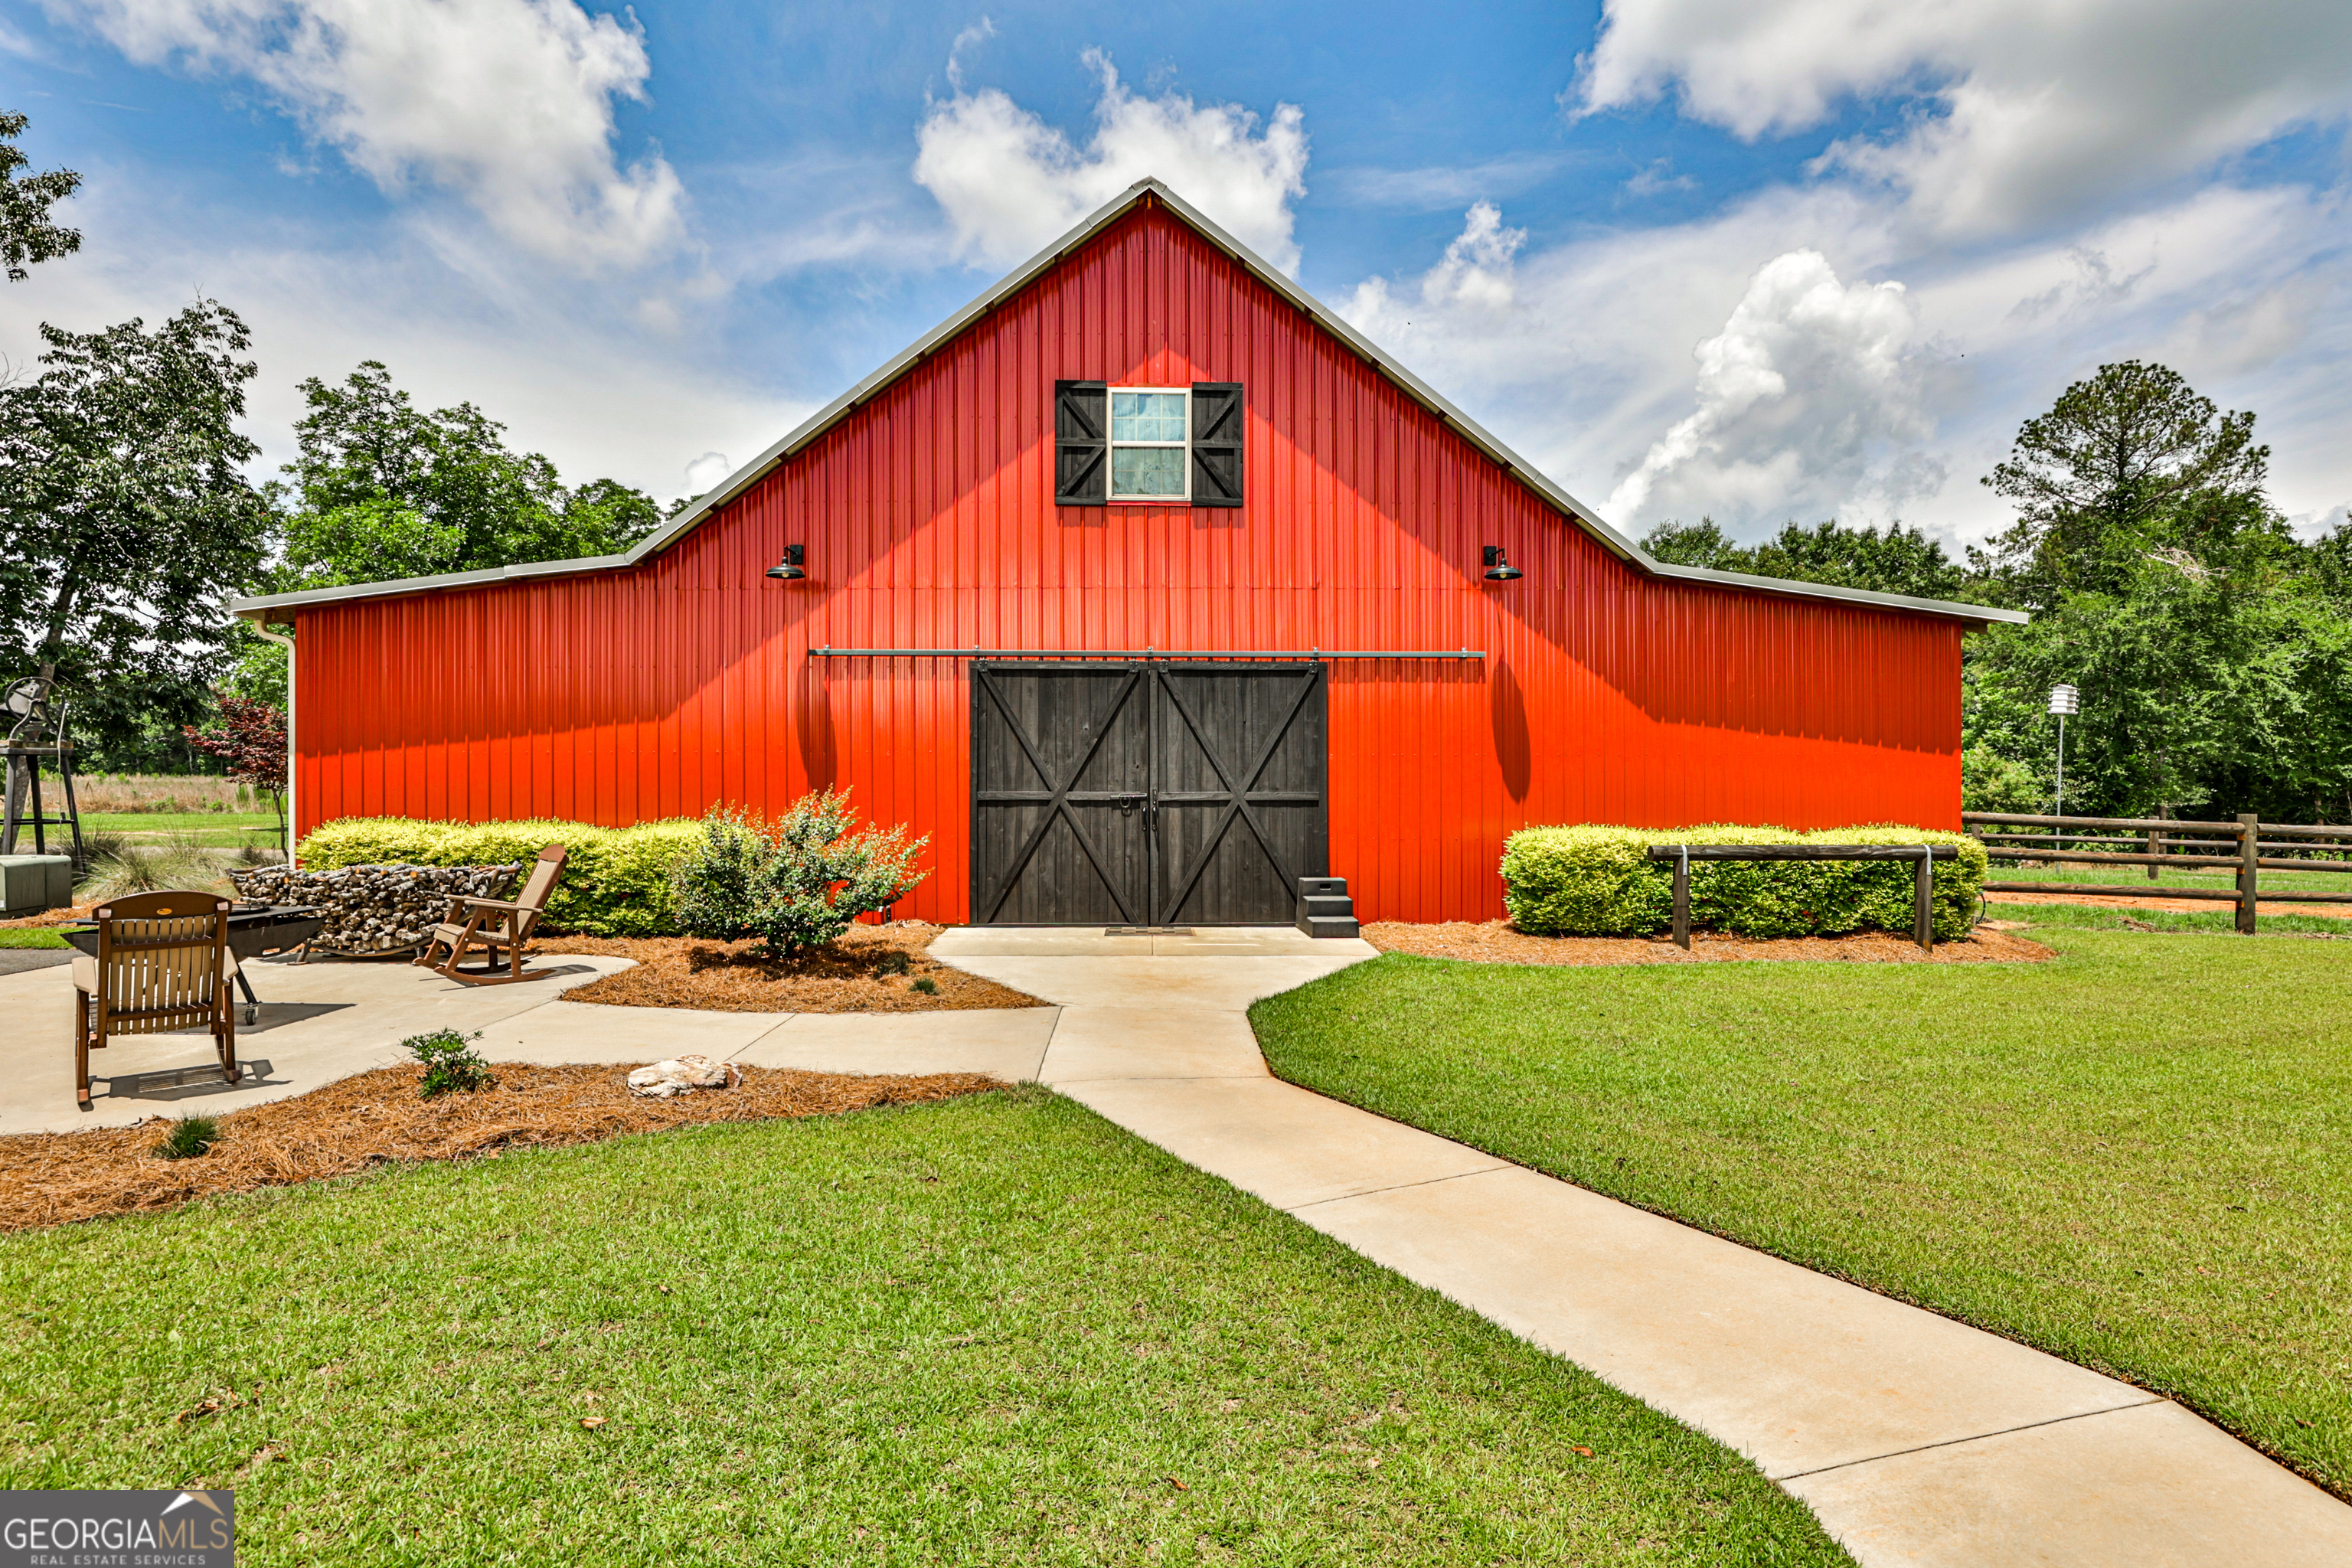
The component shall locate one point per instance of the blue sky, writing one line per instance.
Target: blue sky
(1755, 259)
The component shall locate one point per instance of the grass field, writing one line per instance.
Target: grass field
(31, 936)
(997, 1330)
(2132, 1156)
(212, 829)
(2214, 920)
(2135, 877)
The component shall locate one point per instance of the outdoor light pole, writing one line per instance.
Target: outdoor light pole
(2064, 700)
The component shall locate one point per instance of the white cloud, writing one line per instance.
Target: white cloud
(1805, 398)
(1474, 275)
(1439, 187)
(2043, 107)
(706, 472)
(1660, 176)
(570, 375)
(1589, 364)
(971, 37)
(1010, 183)
(506, 104)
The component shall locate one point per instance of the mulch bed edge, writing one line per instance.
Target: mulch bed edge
(1496, 941)
(378, 1118)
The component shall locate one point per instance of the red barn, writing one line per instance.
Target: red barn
(1146, 586)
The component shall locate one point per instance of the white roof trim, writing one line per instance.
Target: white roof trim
(817, 424)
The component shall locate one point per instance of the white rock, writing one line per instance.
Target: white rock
(680, 1074)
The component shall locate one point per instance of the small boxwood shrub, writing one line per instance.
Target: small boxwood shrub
(616, 881)
(1591, 879)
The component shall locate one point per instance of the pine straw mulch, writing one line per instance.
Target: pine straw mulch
(377, 1118)
(732, 977)
(49, 918)
(1494, 942)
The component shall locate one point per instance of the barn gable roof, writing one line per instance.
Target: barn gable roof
(277, 606)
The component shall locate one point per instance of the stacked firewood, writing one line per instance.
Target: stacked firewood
(374, 909)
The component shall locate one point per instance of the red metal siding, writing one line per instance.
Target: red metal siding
(928, 515)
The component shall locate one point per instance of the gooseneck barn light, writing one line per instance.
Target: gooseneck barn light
(790, 570)
(1498, 566)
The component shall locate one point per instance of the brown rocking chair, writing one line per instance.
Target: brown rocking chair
(492, 924)
(162, 964)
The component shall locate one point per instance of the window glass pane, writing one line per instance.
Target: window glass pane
(1147, 471)
(1147, 417)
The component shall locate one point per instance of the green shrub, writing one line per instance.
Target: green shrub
(1990, 782)
(1596, 880)
(799, 883)
(616, 881)
(372, 841)
(451, 1064)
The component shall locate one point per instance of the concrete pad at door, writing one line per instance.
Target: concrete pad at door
(1150, 1042)
(1003, 1042)
(1795, 1370)
(2152, 1485)
(564, 1031)
(1258, 942)
(1058, 941)
(1199, 984)
(1273, 1139)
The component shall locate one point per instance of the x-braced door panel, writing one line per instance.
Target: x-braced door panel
(1146, 794)
(1061, 762)
(1238, 760)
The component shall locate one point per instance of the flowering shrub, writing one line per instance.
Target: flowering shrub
(798, 882)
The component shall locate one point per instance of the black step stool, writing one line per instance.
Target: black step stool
(1324, 907)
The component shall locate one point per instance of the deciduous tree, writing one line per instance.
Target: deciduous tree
(1899, 561)
(27, 233)
(383, 490)
(125, 515)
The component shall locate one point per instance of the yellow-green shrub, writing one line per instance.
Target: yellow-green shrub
(1592, 880)
(616, 881)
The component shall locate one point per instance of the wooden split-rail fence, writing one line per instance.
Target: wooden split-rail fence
(2244, 849)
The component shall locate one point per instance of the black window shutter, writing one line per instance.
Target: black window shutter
(1081, 442)
(1216, 443)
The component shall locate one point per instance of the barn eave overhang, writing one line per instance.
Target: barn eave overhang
(279, 607)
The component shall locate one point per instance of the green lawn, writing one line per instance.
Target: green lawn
(2138, 1156)
(213, 829)
(2135, 877)
(2207, 921)
(31, 936)
(995, 1330)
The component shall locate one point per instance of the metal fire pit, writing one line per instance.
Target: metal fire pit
(252, 930)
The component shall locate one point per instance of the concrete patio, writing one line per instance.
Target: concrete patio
(328, 1019)
(1916, 1439)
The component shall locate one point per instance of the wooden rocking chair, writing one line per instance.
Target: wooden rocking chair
(492, 924)
(162, 964)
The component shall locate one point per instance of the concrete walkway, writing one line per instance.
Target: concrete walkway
(1916, 1439)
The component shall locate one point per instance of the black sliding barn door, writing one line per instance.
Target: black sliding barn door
(1061, 782)
(1237, 760)
(1144, 793)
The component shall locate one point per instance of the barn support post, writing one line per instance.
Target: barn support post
(285, 800)
(1682, 898)
(1923, 900)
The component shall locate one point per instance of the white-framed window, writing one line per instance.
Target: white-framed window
(1150, 429)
